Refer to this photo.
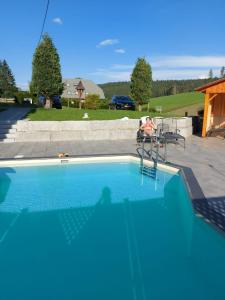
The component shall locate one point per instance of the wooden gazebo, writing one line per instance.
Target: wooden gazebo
(214, 107)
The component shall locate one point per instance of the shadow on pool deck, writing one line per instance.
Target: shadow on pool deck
(213, 210)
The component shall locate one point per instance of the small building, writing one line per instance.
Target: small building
(214, 107)
(73, 90)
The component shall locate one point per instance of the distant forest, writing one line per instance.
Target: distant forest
(159, 87)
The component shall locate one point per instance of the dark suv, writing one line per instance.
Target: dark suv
(122, 102)
(56, 101)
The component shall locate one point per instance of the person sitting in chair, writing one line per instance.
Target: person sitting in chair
(148, 126)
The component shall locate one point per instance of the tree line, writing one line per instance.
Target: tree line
(159, 87)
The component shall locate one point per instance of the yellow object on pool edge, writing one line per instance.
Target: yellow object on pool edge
(62, 154)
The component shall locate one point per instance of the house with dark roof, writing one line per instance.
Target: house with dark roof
(77, 88)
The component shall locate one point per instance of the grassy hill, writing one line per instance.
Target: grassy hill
(175, 102)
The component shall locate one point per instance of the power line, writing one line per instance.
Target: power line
(43, 24)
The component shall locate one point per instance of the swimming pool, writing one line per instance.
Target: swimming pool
(104, 231)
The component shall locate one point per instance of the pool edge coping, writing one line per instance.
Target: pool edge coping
(21, 162)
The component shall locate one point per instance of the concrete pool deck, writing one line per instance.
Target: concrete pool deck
(205, 157)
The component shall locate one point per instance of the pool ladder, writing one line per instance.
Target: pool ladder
(152, 155)
(148, 171)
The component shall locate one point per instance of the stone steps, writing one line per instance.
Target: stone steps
(7, 140)
(7, 131)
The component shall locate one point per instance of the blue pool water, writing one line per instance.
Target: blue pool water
(104, 232)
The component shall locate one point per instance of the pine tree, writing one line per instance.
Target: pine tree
(210, 73)
(141, 82)
(7, 80)
(222, 72)
(46, 72)
(1, 79)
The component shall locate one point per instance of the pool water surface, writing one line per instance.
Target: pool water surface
(104, 231)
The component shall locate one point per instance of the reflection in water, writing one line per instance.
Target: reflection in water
(105, 196)
(73, 220)
(4, 182)
(7, 221)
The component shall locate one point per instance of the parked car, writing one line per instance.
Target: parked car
(27, 101)
(122, 102)
(56, 101)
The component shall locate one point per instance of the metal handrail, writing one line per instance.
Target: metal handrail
(152, 154)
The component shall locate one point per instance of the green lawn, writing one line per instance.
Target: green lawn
(40, 114)
(171, 106)
(174, 102)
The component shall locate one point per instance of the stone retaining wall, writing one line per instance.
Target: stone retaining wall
(32, 131)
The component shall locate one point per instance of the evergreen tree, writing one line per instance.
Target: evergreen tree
(210, 73)
(46, 72)
(172, 90)
(1, 80)
(141, 82)
(222, 72)
(7, 80)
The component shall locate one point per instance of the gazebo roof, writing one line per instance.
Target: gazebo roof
(211, 84)
(80, 86)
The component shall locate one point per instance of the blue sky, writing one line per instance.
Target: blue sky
(101, 40)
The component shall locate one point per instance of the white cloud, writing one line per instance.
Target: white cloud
(187, 61)
(166, 74)
(185, 66)
(167, 67)
(120, 51)
(108, 42)
(23, 86)
(109, 75)
(122, 67)
(57, 21)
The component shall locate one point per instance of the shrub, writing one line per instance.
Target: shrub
(19, 96)
(71, 102)
(92, 101)
(104, 104)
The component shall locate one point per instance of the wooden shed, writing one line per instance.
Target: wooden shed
(214, 107)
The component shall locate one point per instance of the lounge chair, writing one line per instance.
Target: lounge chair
(170, 136)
